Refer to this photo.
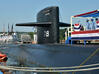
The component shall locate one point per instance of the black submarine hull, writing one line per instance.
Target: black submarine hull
(51, 55)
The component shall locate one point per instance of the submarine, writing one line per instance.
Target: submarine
(48, 52)
(47, 25)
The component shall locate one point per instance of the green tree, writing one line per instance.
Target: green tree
(31, 34)
(62, 34)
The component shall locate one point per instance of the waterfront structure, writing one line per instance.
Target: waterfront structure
(47, 25)
(25, 38)
(10, 37)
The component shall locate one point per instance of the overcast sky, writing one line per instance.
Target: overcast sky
(22, 11)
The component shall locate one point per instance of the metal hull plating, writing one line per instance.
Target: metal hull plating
(48, 34)
(51, 55)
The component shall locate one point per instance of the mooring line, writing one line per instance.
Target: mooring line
(40, 68)
(34, 70)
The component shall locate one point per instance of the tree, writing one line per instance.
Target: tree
(62, 34)
(31, 34)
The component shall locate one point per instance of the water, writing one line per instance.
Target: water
(49, 56)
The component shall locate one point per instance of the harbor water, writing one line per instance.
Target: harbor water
(49, 55)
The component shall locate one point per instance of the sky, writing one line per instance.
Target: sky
(23, 11)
